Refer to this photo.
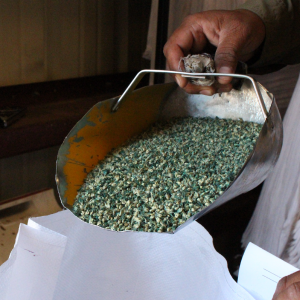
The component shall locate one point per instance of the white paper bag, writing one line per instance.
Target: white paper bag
(100, 264)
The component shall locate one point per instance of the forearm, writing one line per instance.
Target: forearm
(282, 22)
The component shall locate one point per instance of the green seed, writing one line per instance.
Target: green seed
(159, 179)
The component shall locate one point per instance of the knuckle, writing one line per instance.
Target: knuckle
(193, 19)
(190, 18)
(282, 283)
(227, 55)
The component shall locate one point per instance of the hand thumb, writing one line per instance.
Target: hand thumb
(226, 61)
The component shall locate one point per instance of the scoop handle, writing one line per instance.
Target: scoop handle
(142, 73)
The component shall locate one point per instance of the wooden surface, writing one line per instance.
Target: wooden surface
(53, 108)
(29, 147)
(27, 173)
(45, 40)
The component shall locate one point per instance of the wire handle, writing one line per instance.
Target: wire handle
(142, 73)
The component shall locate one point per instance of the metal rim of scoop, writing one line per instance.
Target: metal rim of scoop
(252, 160)
(142, 73)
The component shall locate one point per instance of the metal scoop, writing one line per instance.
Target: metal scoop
(110, 123)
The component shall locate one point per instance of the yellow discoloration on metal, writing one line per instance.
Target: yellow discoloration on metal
(105, 130)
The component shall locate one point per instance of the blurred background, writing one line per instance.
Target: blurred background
(98, 42)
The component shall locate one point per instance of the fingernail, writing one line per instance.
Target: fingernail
(224, 80)
(225, 69)
(206, 92)
(178, 79)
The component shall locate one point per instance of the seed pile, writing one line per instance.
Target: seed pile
(164, 176)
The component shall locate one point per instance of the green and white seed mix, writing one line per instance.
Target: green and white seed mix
(162, 177)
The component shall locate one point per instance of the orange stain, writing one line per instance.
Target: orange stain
(101, 131)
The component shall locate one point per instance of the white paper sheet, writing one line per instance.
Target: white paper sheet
(260, 272)
(100, 264)
(36, 260)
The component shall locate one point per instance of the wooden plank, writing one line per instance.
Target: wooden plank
(45, 40)
(152, 38)
(62, 39)
(121, 42)
(88, 38)
(38, 169)
(10, 67)
(54, 110)
(53, 38)
(33, 67)
(11, 177)
(27, 172)
(139, 15)
(105, 33)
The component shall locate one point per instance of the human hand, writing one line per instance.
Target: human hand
(237, 35)
(288, 288)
